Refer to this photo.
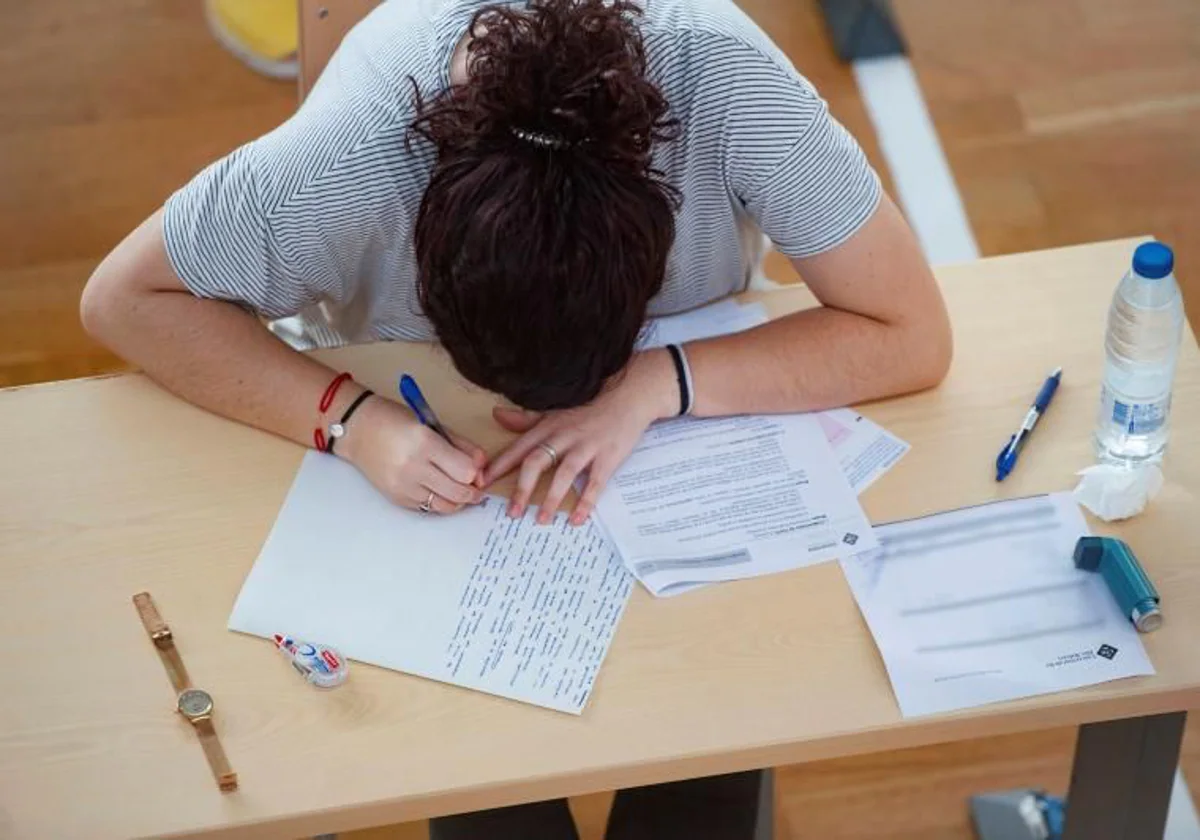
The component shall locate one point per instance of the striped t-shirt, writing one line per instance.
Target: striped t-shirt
(316, 217)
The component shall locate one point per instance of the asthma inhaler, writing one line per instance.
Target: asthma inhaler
(1126, 579)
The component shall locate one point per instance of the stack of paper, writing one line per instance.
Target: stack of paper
(985, 604)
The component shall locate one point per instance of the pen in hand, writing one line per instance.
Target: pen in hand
(420, 407)
(416, 401)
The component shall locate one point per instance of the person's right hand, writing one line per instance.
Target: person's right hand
(407, 461)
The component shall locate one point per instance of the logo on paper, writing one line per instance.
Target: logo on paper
(1107, 651)
(850, 539)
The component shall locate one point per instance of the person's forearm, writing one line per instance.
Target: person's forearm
(212, 353)
(221, 358)
(812, 360)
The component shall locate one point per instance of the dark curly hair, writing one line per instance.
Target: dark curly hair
(544, 230)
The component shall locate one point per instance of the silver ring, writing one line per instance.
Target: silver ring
(549, 450)
(428, 505)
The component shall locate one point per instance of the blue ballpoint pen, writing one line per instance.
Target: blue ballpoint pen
(420, 407)
(1008, 456)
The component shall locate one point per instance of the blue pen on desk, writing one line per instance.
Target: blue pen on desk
(420, 407)
(1008, 456)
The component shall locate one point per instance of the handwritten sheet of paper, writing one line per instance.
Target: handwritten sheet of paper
(865, 450)
(985, 604)
(700, 501)
(477, 599)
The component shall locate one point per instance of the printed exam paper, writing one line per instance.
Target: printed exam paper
(985, 604)
(705, 500)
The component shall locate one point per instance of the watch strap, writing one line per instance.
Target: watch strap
(164, 641)
(152, 620)
(176, 670)
(226, 779)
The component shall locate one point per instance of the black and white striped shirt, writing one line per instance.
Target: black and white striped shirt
(315, 218)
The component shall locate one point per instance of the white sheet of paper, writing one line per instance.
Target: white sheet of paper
(865, 450)
(985, 604)
(718, 499)
(720, 318)
(477, 599)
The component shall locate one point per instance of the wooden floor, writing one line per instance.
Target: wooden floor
(105, 108)
(1068, 121)
(1063, 120)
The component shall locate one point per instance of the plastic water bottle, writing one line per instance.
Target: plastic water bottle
(1145, 323)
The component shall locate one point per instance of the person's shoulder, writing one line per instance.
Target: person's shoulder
(397, 43)
(351, 132)
(700, 32)
(405, 34)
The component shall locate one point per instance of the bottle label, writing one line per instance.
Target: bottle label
(1138, 418)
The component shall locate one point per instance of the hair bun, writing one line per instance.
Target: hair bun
(554, 74)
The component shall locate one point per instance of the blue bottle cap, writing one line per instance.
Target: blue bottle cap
(1153, 260)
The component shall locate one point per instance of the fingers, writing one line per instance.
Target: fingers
(536, 463)
(449, 489)
(437, 504)
(516, 452)
(477, 455)
(575, 462)
(451, 473)
(463, 467)
(516, 419)
(601, 472)
(575, 454)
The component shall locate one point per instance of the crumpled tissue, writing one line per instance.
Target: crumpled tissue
(1112, 492)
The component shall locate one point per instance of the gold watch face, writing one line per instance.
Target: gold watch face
(195, 702)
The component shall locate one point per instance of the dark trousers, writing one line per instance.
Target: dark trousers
(711, 808)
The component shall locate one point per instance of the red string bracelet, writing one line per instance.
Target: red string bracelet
(331, 391)
(326, 401)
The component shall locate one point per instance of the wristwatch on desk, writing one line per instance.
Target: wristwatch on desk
(195, 704)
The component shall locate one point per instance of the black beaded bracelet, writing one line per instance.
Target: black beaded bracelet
(684, 374)
(338, 429)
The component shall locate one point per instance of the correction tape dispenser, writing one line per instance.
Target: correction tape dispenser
(320, 665)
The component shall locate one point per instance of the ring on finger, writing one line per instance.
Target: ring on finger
(427, 505)
(552, 452)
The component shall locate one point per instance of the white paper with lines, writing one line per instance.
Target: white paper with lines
(475, 599)
(985, 604)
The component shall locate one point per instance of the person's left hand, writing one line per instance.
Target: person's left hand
(596, 437)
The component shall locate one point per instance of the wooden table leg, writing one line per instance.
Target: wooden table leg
(768, 808)
(1121, 781)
